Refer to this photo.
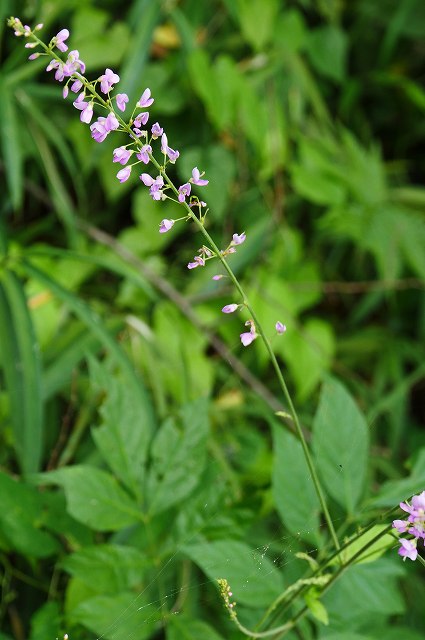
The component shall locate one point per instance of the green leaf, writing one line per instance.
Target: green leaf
(395, 491)
(257, 19)
(370, 589)
(374, 551)
(107, 568)
(308, 351)
(327, 48)
(182, 627)
(119, 617)
(178, 457)
(253, 578)
(341, 445)
(22, 519)
(10, 136)
(46, 622)
(291, 478)
(126, 428)
(94, 497)
(20, 359)
(316, 607)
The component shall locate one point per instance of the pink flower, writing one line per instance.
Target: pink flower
(230, 308)
(141, 119)
(196, 177)
(60, 38)
(218, 276)
(184, 191)
(248, 337)
(165, 225)
(171, 153)
(76, 86)
(408, 549)
(107, 80)
(124, 174)
(197, 262)
(87, 114)
(121, 155)
(280, 328)
(145, 100)
(144, 152)
(157, 131)
(122, 99)
(238, 239)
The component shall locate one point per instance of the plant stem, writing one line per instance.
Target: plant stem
(275, 364)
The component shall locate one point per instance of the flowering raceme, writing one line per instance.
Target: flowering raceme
(414, 525)
(71, 71)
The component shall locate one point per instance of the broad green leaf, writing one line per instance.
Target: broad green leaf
(126, 428)
(396, 491)
(292, 479)
(341, 445)
(20, 359)
(178, 457)
(308, 350)
(370, 589)
(374, 551)
(317, 187)
(257, 20)
(252, 576)
(182, 627)
(22, 520)
(46, 622)
(327, 48)
(94, 497)
(107, 568)
(103, 42)
(119, 617)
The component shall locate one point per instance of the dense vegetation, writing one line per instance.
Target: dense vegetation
(144, 451)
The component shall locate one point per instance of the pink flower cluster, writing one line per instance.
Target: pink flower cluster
(414, 525)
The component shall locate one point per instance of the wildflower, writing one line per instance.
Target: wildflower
(145, 100)
(141, 119)
(121, 155)
(408, 549)
(168, 151)
(414, 525)
(156, 131)
(155, 185)
(65, 91)
(184, 191)
(230, 308)
(238, 239)
(107, 80)
(165, 225)
(87, 114)
(111, 122)
(122, 99)
(218, 276)
(144, 152)
(196, 177)
(248, 336)
(280, 328)
(197, 262)
(124, 174)
(73, 64)
(76, 86)
(59, 40)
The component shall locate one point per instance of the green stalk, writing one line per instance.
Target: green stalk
(270, 351)
(126, 127)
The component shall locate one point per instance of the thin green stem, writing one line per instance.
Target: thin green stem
(258, 328)
(270, 351)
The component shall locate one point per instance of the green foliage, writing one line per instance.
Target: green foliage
(140, 457)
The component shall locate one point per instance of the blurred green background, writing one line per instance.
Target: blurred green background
(308, 119)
